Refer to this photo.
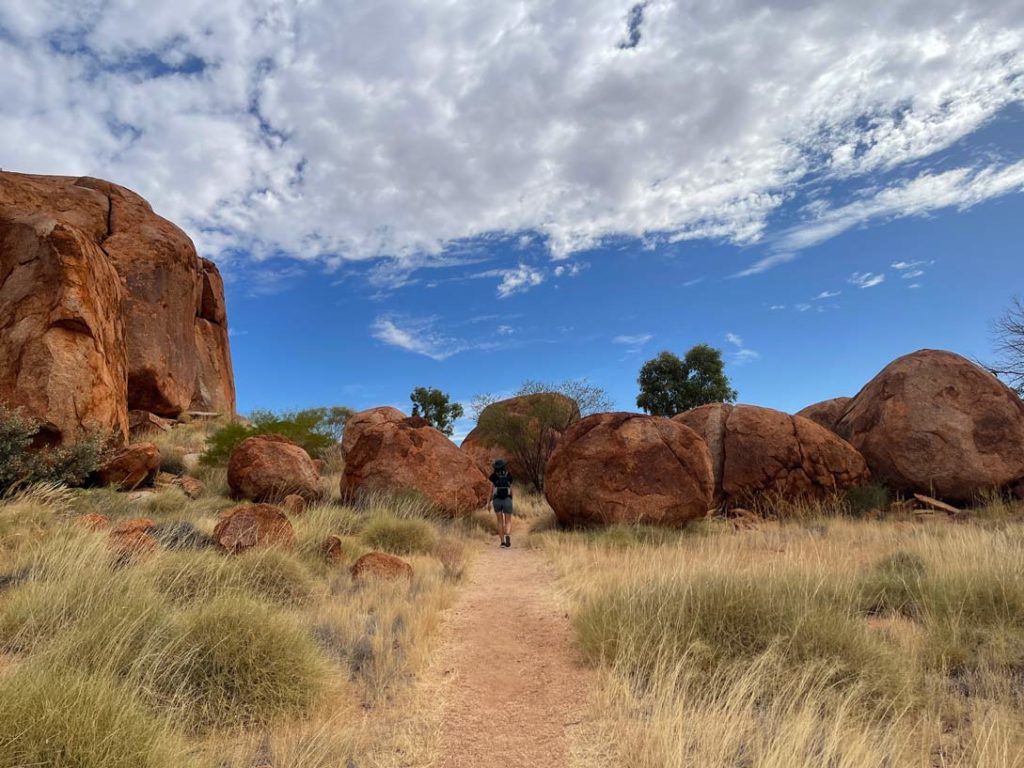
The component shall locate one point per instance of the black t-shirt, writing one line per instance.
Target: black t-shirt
(502, 482)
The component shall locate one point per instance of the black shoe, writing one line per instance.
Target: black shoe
(503, 544)
(508, 541)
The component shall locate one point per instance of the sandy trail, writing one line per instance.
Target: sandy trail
(514, 682)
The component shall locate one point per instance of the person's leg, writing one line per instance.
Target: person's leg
(500, 526)
(507, 523)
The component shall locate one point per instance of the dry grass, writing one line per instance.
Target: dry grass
(193, 658)
(828, 641)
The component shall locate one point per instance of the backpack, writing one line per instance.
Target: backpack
(502, 484)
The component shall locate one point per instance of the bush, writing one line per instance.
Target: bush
(452, 555)
(242, 663)
(59, 717)
(401, 537)
(315, 429)
(864, 499)
(22, 464)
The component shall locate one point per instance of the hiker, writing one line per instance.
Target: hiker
(502, 500)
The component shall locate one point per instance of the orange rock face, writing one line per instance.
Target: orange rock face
(62, 338)
(381, 565)
(625, 467)
(484, 451)
(371, 417)
(827, 412)
(248, 526)
(762, 451)
(112, 309)
(933, 422)
(269, 468)
(131, 468)
(410, 455)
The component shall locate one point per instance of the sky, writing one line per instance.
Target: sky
(468, 194)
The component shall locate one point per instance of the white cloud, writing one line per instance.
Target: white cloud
(912, 274)
(415, 335)
(914, 285)
(633, 340)
(741, 355)
(505, 330)
(775, 307)
(691, 283)
(827, 295)
(908, 264)
(519, 280)
(866, 279)
(302, 132)
(573, 269)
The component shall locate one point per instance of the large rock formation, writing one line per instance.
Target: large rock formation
(933, 422)
(106, 308)
(62, 338)
(394, 457)
(758, 451)
(357, 422)
(271, 467)
(552, 406)
(827, 412)
(624, 467)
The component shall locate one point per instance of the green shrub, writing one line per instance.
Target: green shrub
(401, 537)
(896, 584)
(315, 429)
(242, 663)
(51, 716)
(22, 464)
(715, 621)
(864, 499)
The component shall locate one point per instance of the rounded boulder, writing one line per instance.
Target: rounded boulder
(249, 526)
(270, 467)
(396, 457)
(371, 417)
(933, 422)
(131, 468)
(626, 467)
(827, 412)
(757, 451)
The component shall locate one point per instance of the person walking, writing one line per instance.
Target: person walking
(501, 499)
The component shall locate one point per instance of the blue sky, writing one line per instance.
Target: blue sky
(466, 195)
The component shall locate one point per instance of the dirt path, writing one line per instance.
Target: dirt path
(514, 684)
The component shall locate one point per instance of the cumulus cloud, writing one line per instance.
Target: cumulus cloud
(519, 280)
(401, 128)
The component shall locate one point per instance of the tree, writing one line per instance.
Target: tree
(528, 430)
(589, 398)
(317, 430)
(1008, 337)
(669, 385)
(436, 407)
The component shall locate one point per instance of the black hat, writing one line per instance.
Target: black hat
(499, 464)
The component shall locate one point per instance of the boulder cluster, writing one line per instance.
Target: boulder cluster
(107, 309)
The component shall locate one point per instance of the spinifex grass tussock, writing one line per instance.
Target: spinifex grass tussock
(837, 641)
(269, 575)
(51, 716)
(715, 620)
(399, 536)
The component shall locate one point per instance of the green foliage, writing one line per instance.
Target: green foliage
(317, 430)
(436, 407)
(863, 499)
(669, 385)
(58, 717)
(400, 537)
(22, 464)
(529, 432)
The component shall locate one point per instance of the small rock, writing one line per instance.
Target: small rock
(333, 549)
(141, 422)
(253, 525)
(130, 540)
(190, 486)
(381, 565)
(135, 466)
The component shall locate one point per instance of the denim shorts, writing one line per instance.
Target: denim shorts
(503, 505)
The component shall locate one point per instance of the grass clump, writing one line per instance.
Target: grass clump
(714, 621)
(862, 500)
(400, 537)
(268, 575)
(50, 716)
(242, 663)
(895, 584)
